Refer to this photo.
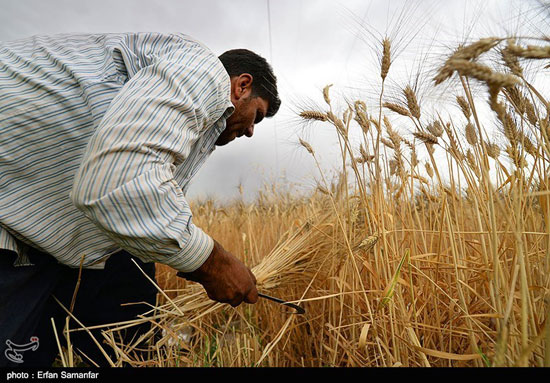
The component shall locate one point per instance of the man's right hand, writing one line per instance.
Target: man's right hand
(225, 278)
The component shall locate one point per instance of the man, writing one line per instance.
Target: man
(100, 136)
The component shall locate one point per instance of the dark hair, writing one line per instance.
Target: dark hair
(264, 83)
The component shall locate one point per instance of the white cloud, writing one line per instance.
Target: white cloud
(314, 43)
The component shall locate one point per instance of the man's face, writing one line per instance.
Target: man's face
(249, 110)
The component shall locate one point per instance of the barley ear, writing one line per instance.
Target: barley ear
(313, 115)
(326, 94)
(412, 102)
(464, 106)
(386, 59)
(308, 147)
(471, 135)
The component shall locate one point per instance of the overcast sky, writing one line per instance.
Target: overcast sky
(312, 43)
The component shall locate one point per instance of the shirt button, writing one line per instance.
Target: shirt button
(203, 149)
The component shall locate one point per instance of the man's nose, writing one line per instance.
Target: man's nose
(250, 131)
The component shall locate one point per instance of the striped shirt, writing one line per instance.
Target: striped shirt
(100, 136)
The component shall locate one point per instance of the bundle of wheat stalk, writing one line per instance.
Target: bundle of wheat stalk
(296, 261)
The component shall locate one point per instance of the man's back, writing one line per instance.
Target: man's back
(54, 92)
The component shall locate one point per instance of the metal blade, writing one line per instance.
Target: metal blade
(299, 310)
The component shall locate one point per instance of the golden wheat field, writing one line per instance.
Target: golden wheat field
(431, 248)
(394, 264)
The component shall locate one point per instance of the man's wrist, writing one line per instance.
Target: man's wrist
(203, 272)
(197, 250)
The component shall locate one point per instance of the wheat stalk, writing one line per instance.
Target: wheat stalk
(397, 109)
(386, 58)
(426, 137)
(511, 60)
(471, 135)
(326, 95)
(530, 52)
(493, 150)
(435, 128)
(465, 53)
(307, 146)
(412, 102)
(483, 73)
(313, 115)
(464, 106)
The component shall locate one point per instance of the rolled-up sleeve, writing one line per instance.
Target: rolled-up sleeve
(126, 183)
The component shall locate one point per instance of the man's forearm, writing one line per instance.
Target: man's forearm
(148, 216)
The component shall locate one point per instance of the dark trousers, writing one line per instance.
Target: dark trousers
(27, 304)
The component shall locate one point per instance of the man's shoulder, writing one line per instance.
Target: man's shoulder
(179, 40)
(169, 46)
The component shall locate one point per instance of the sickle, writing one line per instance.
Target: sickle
(299, 310)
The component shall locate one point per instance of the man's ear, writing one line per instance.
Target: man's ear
(241, 86)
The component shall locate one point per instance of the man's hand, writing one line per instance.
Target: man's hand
(225, 278)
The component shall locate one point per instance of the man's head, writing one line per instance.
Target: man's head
(253, 93)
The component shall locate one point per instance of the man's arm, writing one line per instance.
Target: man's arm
(126, 183)
(225, 278)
